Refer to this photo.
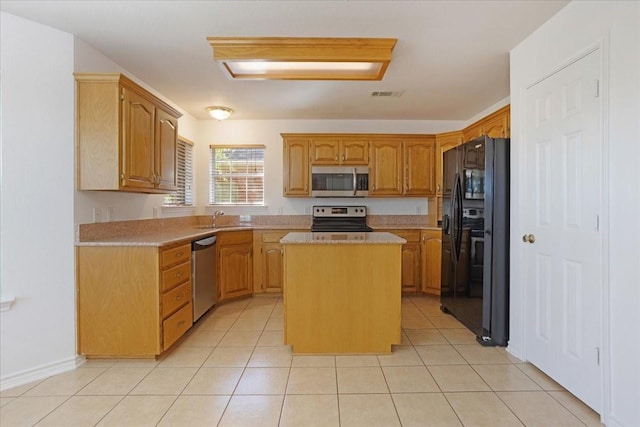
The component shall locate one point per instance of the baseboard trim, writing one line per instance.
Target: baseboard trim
(41, 372)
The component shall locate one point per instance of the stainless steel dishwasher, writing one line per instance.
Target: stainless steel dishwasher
(203, 274)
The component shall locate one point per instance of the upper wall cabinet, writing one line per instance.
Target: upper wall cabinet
(495, 125)
(402, 165)
(339, 150)
(126, 136)
(444, 142)
(296, 166)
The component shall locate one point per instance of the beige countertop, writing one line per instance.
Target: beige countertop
(169, 232)
(341, 238)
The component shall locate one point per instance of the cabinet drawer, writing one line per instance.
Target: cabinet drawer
(176, 325)
(176, 255)
(175, 276)
(175, 298)
(235, 237)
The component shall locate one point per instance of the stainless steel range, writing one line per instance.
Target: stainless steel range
(340, 218)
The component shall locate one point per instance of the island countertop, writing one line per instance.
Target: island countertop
(297, 238)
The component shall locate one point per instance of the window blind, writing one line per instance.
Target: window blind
(237, 175)
(184, 175)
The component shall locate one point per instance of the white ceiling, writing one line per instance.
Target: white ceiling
(451, 59)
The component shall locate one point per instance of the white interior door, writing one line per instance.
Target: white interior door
(562, 242)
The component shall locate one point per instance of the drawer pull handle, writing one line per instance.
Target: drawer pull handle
(180, 323)
(178, 274)
(179, 297)
(178, 254)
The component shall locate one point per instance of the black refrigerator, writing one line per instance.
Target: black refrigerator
(475, 237)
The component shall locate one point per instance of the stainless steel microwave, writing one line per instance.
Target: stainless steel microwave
(339, 181)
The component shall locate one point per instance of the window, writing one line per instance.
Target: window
(237, 175)
(184, 175)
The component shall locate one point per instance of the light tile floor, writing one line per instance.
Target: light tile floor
(232, 370)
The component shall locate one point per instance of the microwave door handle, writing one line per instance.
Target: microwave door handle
(355, 177)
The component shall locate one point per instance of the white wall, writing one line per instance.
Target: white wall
(268, 132)
(37, 247)
(616, 26)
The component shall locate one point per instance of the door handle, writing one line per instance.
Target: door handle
(528, 238)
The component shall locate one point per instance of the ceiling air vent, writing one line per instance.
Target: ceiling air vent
(387, 93)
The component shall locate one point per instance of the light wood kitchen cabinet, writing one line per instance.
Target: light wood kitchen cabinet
(387, 168)
(354, 151)
(235, 268)
(419, 157)
(267, 265)
(339, 150)
(410, 259)
(402, 166)
(296, 166)
(444, 142)
(431, 261)
(126, 136)
(267, 260)
(133, 301)
(495, 125)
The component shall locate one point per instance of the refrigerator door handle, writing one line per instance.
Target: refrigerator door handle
(456, 210)
(446, 224)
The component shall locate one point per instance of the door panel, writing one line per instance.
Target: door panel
(562, 263)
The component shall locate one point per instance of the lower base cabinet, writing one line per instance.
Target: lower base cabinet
(132, 301)
(411, 259)
(267, 262)
(431, 261)
(235, 264)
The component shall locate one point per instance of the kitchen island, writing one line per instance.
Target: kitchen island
(342, 292)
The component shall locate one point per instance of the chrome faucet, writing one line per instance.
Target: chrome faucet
(215, 215)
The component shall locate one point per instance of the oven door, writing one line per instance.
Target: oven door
(339, 181)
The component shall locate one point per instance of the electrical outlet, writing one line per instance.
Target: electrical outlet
(157, 212)
(418, 210)
(279, 211)
(97, 215)
(307, 210)
(109, 214)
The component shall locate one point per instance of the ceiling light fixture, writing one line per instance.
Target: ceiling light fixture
(219, 113)
(302, 58)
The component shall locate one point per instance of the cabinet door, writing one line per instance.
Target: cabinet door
(444, 142)
(410, 267)
(166, 149)
(473, 156)
(420, 174)
(325, 151)
(296, 167)
(234, 271)
(386, 168)
(354, 151)
(138, 141)
(272, 267)
(497, 124)
(431, 261)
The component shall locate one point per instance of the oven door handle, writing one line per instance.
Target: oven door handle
(355, 177)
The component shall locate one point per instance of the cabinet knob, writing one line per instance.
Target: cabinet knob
(336, 158)
(179, 274)
(179, 254)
